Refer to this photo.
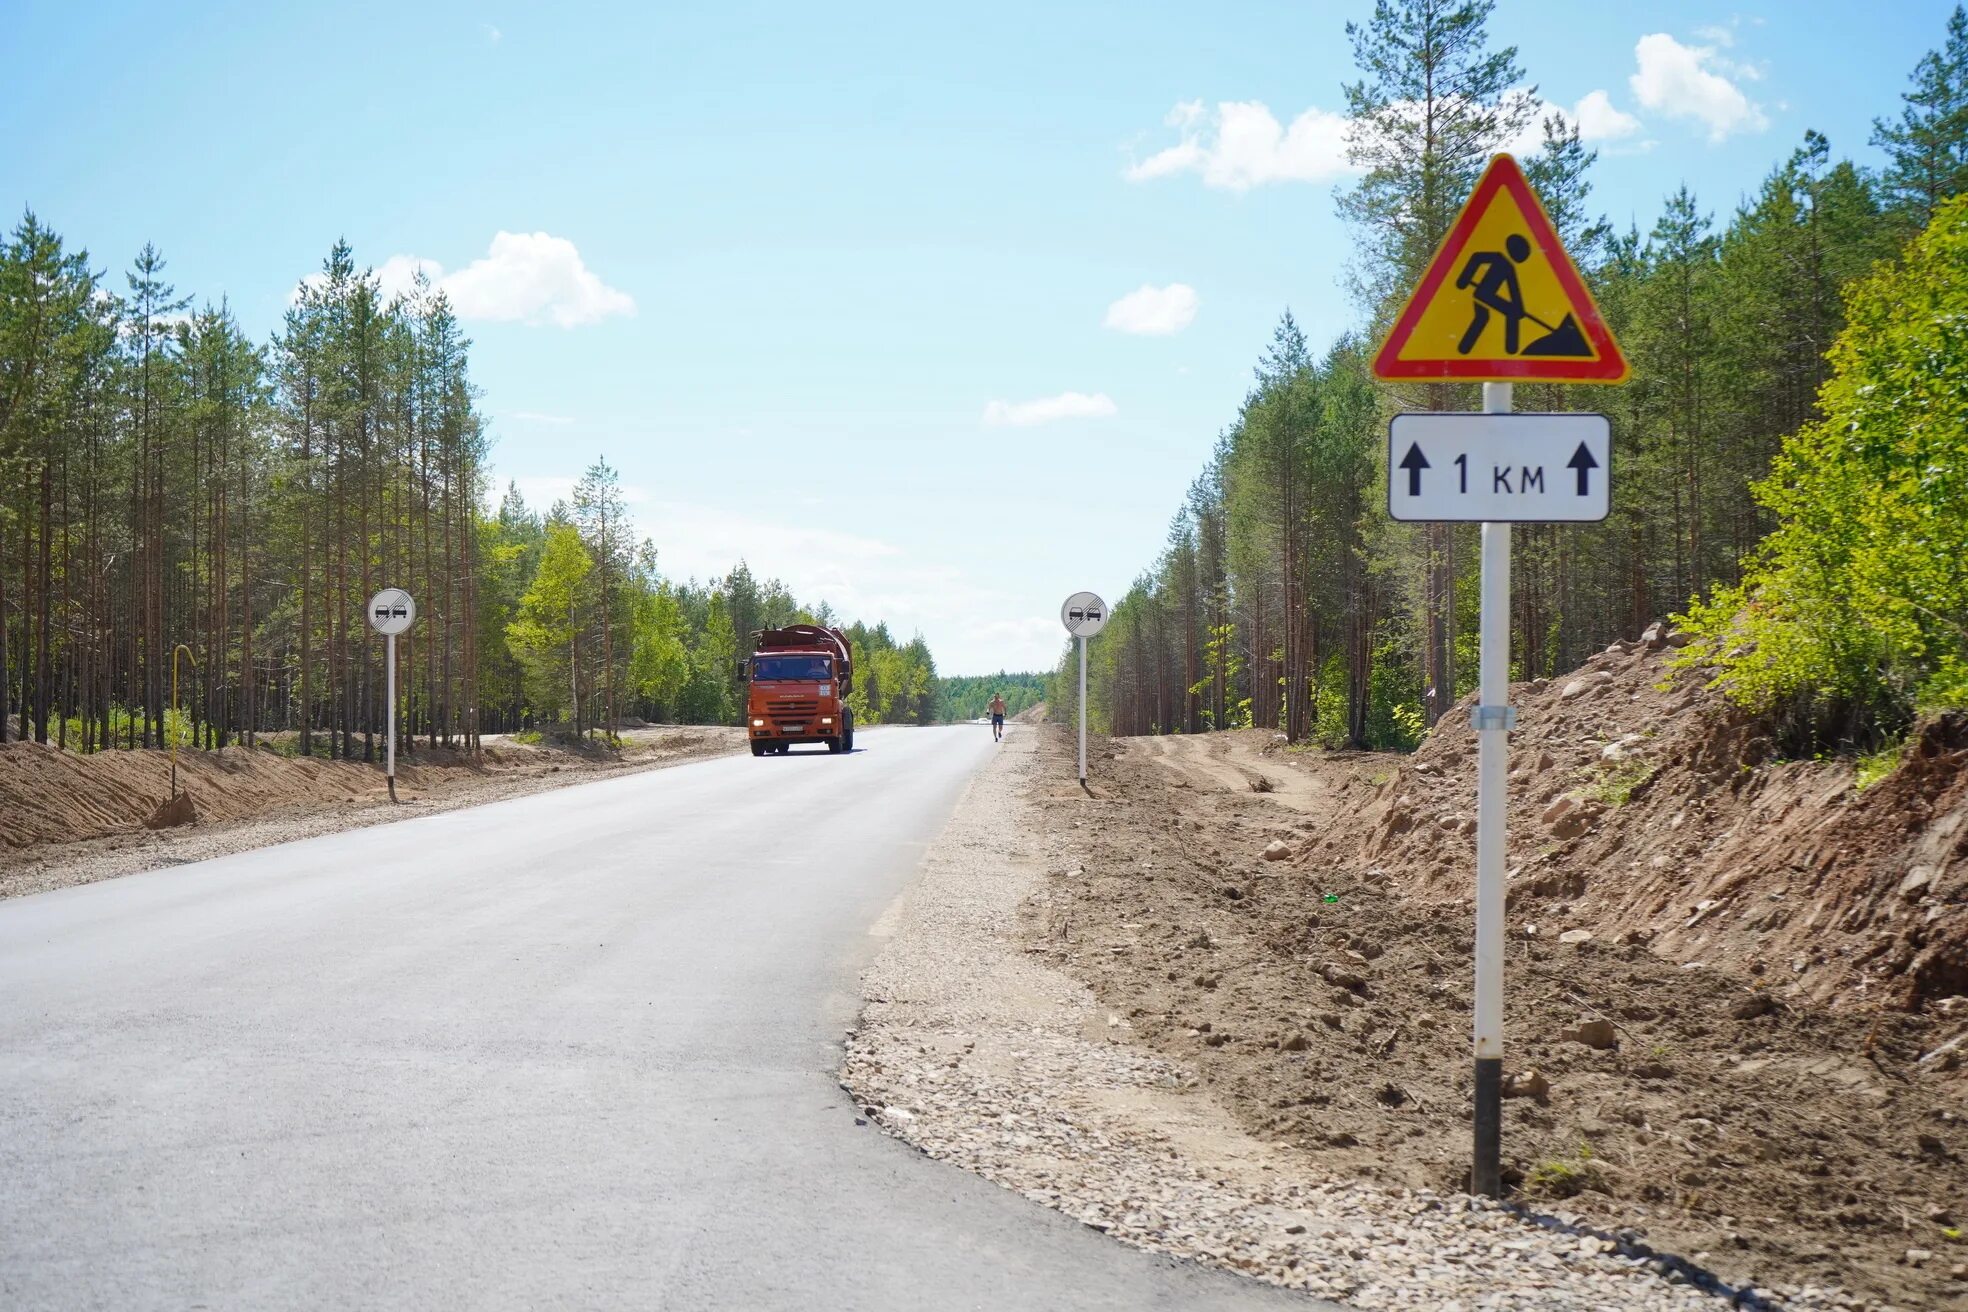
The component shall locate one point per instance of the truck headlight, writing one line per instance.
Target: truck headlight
(826, 719)
(758, 724)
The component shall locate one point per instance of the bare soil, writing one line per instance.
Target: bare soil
(1734, 1011)
(66, 818)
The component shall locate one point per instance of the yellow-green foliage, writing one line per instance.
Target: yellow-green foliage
(1875, 766)
(1857, 602)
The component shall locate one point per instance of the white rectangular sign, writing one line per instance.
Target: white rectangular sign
(1504, 468)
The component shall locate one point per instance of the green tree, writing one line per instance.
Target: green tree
(1854, 613)
(1927, 149)
(1433, 103)
(545, 635)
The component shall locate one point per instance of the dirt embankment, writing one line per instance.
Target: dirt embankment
(1734, 1021)
(68, 818)
(1655, 813)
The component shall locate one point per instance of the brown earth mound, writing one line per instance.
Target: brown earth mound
(1733, 1017)
(1650, 811)
(49, 796)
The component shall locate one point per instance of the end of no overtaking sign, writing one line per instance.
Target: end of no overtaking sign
(1084, 614)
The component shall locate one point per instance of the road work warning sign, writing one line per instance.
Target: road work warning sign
(1501, 301)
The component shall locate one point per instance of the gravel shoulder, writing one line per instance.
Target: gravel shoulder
(980, 1051)
(323, 798)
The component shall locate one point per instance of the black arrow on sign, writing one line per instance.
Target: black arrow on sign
(1414, 462)
(1583, 462)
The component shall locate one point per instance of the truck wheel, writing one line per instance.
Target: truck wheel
(834, 745)
(758, 749)
(847, 738)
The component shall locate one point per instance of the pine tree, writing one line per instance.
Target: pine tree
(1431, 106)
(1927, 149)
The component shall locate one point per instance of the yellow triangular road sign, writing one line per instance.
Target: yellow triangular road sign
(1501, 301)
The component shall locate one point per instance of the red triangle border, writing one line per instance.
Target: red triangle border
(1611, 367)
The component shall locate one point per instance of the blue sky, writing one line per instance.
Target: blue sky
(851, 292)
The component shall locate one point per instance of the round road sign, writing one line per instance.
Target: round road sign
(391, 611)
(1084, 614)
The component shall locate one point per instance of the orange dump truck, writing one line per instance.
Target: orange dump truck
(797, 682)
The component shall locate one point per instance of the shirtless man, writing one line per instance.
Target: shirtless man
(997, 717)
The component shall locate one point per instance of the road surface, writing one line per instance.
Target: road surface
(570, 1050)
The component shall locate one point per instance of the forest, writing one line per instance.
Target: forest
(183, 508)
(965, 697)
(1286, 599)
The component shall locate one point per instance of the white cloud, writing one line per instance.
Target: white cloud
(1682, 82)
(1599, 119)
(1067, 405)
(533, 277)
(1595, 116)
(1716, 34)
(1241, 145)
(396, 274)
(1154, 311)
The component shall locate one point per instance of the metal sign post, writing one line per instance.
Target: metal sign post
(1082, 641)
(1493, 717)
(391, 611)
(1500, 301)
(1084, 614)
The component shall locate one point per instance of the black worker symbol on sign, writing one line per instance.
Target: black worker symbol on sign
(1491, 277)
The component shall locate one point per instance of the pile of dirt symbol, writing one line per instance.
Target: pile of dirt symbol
(1735, 1019)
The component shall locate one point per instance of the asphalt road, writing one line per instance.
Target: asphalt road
(570, 1050)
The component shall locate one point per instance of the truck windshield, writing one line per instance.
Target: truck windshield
(803, 669)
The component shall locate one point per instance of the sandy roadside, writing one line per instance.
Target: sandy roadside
(43, 866)
(975, 1050)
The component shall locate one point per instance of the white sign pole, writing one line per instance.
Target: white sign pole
(1083, 643)
(1084, 614)
(1492, 718)
(390, 768)
(391, 611)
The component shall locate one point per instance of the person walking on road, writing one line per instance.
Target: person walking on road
(997, 717)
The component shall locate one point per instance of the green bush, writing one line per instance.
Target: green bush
(1852, 616)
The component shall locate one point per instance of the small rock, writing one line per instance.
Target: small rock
(1576, 936)
(1276, 850)
(1919, 1256)
(1679, 638)
(1342, 977)
(1655, 637)
(1528, 1083)
(1296, 1043)
(1559, 809)
(1572, 826)
(1574, 690)
(1756, 1004)
(1596, 1033)
(1917, 882)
